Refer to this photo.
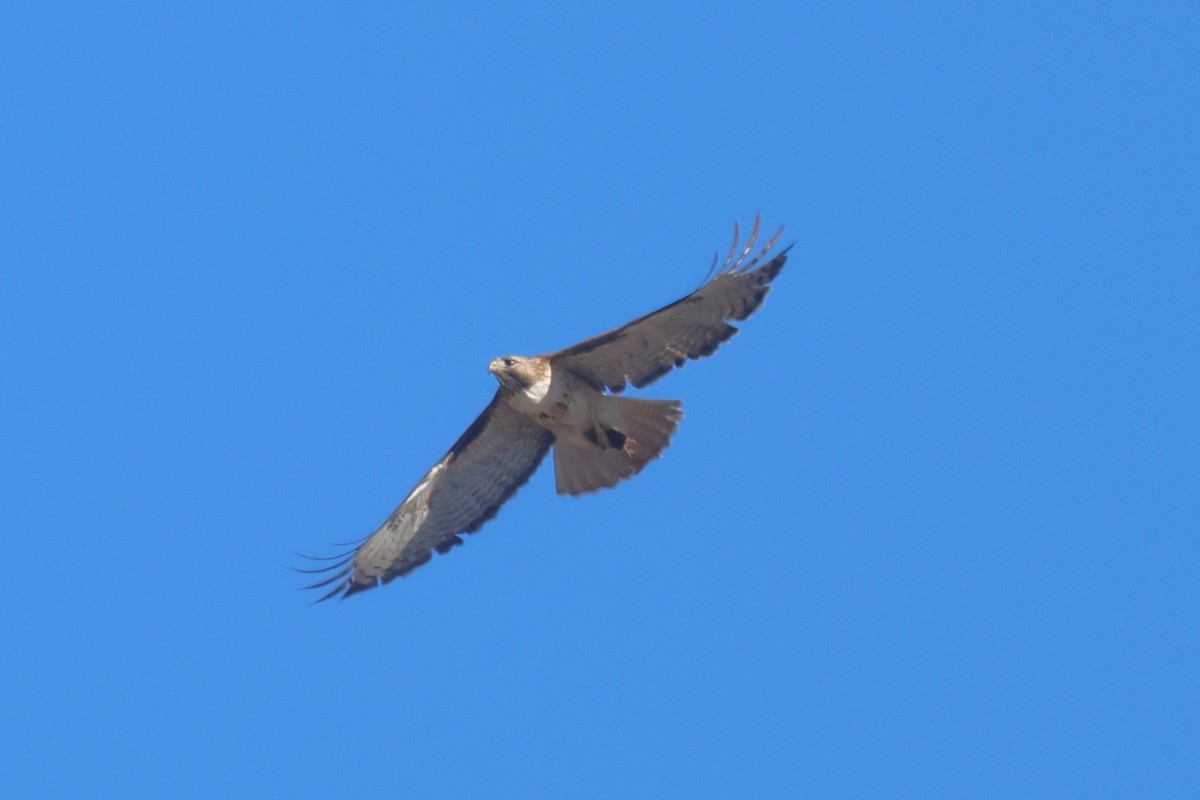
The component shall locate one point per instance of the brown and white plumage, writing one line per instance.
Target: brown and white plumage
(642, 351)
(562, 399)
(496, 456)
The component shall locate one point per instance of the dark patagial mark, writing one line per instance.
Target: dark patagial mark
(591, 436)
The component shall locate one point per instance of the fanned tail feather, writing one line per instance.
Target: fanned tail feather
(647, 427)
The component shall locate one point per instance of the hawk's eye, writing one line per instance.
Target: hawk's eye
(508, 362)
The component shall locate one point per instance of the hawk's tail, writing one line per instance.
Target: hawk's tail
(635, 433)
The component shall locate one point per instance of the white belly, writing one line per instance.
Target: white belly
(562, 403)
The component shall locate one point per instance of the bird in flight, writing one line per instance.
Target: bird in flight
(569, 400)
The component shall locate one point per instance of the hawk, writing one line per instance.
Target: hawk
(568, 400)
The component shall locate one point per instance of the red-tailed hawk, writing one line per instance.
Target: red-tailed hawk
(567, 400)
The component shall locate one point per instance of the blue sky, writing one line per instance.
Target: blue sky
(929, 528)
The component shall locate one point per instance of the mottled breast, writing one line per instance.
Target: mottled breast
(560, 400)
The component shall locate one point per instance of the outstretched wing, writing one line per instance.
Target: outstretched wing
(691, 327)
(494, 458)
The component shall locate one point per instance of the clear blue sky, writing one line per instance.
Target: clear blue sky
(930, 526)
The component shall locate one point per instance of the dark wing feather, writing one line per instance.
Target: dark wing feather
(494, 458)
(691, 327)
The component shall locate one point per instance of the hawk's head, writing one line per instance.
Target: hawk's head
(518, 372)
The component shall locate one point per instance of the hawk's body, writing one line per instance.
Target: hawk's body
(598, 439)
(566, 400)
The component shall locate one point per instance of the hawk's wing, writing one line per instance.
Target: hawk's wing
(691, 327)
(488, 463)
